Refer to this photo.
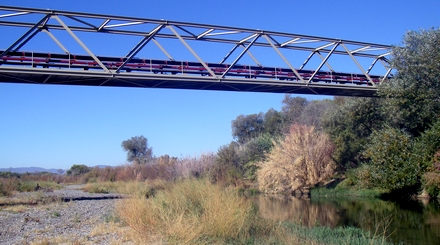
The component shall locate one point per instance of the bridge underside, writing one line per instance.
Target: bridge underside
(61, 77)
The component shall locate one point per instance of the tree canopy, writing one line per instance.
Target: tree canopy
(247, 127)
(413, 94)
(137, 149)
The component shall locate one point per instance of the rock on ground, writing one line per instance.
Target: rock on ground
(87, 220)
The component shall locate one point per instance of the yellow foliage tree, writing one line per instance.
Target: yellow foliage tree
(301, 160)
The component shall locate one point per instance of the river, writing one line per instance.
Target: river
(410, 222)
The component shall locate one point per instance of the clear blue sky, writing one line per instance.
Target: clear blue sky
(58, 126)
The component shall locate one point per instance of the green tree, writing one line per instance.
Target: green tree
(314, 111)
(349, 122)
(392, 159)
(292, 109)
(227, 168)
(428, 146)
(273, 122)
(78, 169)
(414, 92)
(252, 152)
(137, 149)
(247, 127)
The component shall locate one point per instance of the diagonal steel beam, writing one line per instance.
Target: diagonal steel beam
(56, 40)
(81, 43)
(139, 46)
(285, 60)
(13, 14)
(82, 21)
(185, 30)
(386, 74)
(31, 36)
(307, 60)
(230, 52)
(29, 32)
(252, 56)
(162, 49)
(241, 55)
(192, 51)
(103, 24)
(358, 65)
(326, 63)
(205, 33)
(323, 62)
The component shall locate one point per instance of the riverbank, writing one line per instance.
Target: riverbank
(94, 219)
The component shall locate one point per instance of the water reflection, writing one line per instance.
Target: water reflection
(408, 222)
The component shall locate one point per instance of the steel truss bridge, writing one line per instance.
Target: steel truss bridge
(307, 61)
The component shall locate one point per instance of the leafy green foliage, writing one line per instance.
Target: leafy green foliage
(247, 127)
(273, 122)
(392, 162)
(78, 169)
(293, 108)
(252, 152)
(429, 146)
(349, 122)
(137, 149)
(314, 111)
(226, 168)
(413, 94)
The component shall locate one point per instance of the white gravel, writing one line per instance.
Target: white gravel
(73, 222)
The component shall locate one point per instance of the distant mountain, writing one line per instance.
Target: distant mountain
(39, 170)
(31, 170)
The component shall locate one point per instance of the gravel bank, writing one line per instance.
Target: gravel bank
(84, 220)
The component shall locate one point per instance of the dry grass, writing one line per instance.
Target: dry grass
(302, 159)
(15, 208)
(33, 198)
(143, 189)
(193, 212)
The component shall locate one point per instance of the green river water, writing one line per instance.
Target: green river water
(408, 222)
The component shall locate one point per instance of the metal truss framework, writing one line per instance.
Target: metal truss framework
(17, 65)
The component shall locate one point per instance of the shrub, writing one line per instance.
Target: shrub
(301, 160)
(195, 166)
(193, 211)
(252, 152)
(227, 169)
(361, 176)
(8, 186)
(392, 163)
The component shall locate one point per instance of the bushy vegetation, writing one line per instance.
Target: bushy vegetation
(14, 182)
(392, 163)
(195, 211)
(390, 142)
(301, 160)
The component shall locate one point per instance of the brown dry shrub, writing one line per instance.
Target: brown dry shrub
(195, 166)
(8, 186)
(193, 211)
(302, 159)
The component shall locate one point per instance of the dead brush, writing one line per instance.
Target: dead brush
(302, 159)
(192, 211)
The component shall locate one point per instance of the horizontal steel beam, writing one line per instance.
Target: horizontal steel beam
(100, 78)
